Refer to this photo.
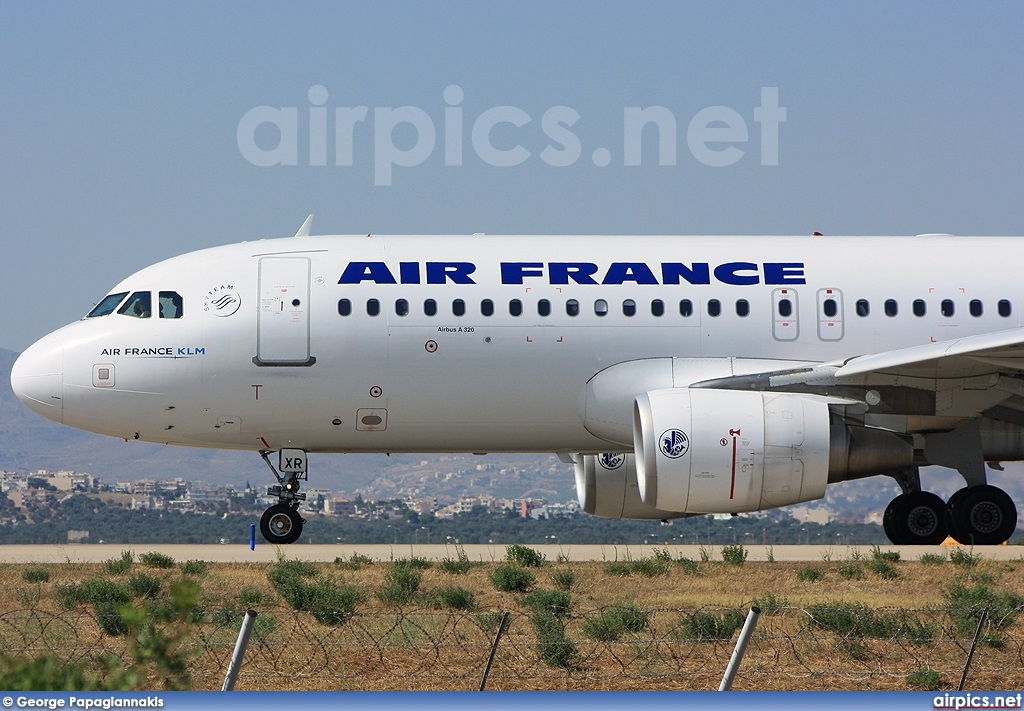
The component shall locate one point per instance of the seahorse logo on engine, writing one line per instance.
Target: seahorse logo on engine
(674, 443)
(611, 460)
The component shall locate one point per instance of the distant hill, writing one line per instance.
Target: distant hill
(30, 442)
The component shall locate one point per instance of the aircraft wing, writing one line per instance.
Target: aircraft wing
(964, 377)
(1000, 352)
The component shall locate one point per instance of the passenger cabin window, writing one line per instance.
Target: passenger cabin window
(107, 305)
(686, 308)
(372, 307)
(138, 305)
(891, 308)
(430, 307)
(601, 307)
(515, 307)
(572, 307)
(629, 307)
(170, 304)
(544, 307)
(714, 307)
(947, 308)
(487, 307)
(976, 308)
(742, 307)
(657, 307)
(401, 307)
(344, 307)
(919, 307)
(785, 308)
(863, 308)
(1004, 308)
(459, 307)
(830, 308)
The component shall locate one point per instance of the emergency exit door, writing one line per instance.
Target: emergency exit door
(283, 325)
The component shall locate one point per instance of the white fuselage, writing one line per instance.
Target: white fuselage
(277, 344)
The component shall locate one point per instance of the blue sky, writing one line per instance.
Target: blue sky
(119, 125)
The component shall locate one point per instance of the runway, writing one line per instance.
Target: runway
(266, 553)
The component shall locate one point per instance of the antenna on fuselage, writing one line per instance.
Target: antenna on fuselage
(304, 230)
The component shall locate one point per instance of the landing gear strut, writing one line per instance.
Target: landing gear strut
(281, 523)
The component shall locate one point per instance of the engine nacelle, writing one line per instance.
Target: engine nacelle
(727, 451)
(606, 486)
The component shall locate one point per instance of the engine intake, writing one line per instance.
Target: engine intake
(726, 451)
(606, 486)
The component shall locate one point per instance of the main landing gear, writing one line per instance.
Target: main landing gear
(981, 515)
(281, 523)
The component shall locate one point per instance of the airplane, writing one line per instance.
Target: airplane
(680, 376)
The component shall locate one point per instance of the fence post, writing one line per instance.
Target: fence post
(239, 653)
(494, 648)
(970, 654)
(741, 647)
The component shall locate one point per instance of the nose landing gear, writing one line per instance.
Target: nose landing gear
(281, 523)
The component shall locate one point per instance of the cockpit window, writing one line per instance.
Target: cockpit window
(170, 304)
(108, 304)
(137, 305)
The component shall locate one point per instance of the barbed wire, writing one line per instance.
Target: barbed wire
(818, 647)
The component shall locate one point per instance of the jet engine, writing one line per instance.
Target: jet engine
(606, 486)
(726, 451)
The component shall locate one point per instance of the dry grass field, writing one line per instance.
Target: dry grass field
(861, 622)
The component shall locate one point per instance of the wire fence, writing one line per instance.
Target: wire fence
(814, 648)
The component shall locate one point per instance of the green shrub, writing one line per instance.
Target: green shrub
(36, 574)
(553, 646)
(810, 574)
(453, 597)
(734, 555)
(195, 567)
(889, 556)
(288, 579)
(770, 604)
(416, 562)
(355, 561)
(689, 566)
(523, 556)
(250, 596)
(557, 602)
(456, 566)
(926, 678)
(701, 626)
(563, 579)
(883, 567)
(69, 596)
(119, 566)
(401, 583)
(142, 585)
(611, 623)
(512, 578)
(965, 605)
(331, 603)
(851, 571)
(932, 559)
(617, 567)
(651, 567)
(964, 558)
(156, 560)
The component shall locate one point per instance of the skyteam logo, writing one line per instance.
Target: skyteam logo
(222, 300)
(674, 443)
(611, 460)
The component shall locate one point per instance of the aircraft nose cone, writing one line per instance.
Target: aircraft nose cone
(37, 378)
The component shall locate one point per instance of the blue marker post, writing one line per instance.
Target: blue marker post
(252, 536)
